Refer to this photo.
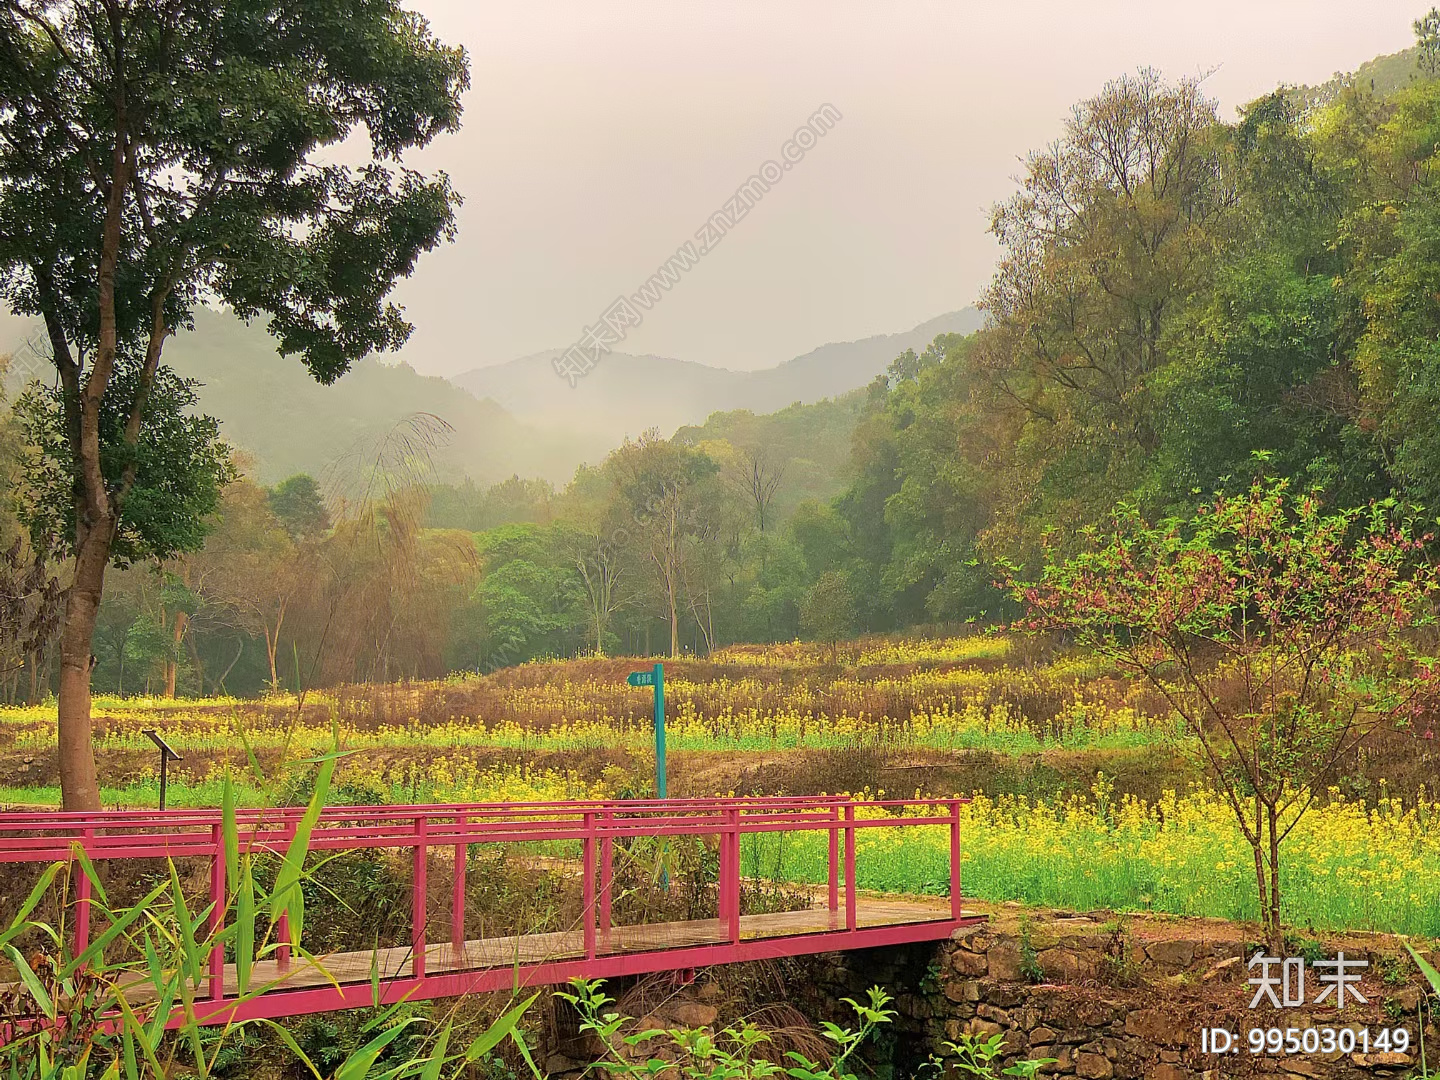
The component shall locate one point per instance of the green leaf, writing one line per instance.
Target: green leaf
(131, 1024)
(231, 831)
(1431, 975)
(375, 977)
(357, 1065)
(194, 963)
(519, 1040)
(31, 981)
(498, 1030)
(244, 926)
(153, 964)
(18, 924)
(286, 896)
(97, 888)
(436, 1061)
(127, 1049)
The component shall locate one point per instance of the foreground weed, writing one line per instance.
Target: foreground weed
(76, 1016)
(734, 1053)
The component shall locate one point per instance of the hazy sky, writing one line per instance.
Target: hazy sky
(600, 134)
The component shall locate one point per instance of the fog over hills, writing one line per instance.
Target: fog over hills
(517, 418)
(625, 393)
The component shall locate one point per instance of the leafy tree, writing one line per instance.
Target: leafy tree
(299, 505)
(663, 489)
(942, 507)
(1278, 633)
(531, 599)
(156, 154)
(1261, 376)
(1395, 278)
(828, 611)
(808, 445)
(1427, 40)
(173, 471)
(465, 506)
(1113, 229)
(256, 569)
(29, 613)
(857, 536)
(29, 591)
(147, 646)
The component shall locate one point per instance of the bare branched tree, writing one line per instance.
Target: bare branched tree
(757, 474)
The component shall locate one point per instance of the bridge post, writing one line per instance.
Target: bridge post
(217, 912)
(607, 872)
(418, 898)
(587, 903)
(722, 878)
(82, 896)
(956, 908)
(834, 859)
(457, 895)
(282, 927)
(850, 919)
(732, 911)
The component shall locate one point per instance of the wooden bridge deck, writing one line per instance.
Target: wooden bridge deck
(568, 945)
(528, 950)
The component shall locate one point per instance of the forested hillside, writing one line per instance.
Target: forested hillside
(285, 422)
(1183, 304)
(1382, 75)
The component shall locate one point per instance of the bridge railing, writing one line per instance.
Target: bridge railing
(594, 827)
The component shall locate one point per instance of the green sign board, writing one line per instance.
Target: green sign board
(655, 678)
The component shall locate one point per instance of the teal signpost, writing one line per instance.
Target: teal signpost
(655, 677)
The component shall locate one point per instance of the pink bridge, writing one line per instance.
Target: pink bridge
(446, 963)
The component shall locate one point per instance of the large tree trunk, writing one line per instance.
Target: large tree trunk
(1276, 933)
(79, 786)
(94, 512)
(674, 622)
(172, 662)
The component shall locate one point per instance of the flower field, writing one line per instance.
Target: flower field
(1349, 866)
(574, 729)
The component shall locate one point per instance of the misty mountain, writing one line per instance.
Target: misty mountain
(285, 422)
(625, 393)
(518, 418)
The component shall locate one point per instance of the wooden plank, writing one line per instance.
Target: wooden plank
(528, 949)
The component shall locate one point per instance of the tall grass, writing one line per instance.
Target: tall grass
(106, 1011)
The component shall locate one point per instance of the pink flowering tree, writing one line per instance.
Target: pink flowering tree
(1279, 634)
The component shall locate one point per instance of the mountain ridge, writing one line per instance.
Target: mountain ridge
(627, 393)
(271, 409)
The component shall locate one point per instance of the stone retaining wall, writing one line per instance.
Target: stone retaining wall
(1108, 998)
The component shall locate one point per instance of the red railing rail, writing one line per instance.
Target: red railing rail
(593, 825)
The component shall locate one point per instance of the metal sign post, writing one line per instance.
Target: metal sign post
(655, 677)
(167, 755)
